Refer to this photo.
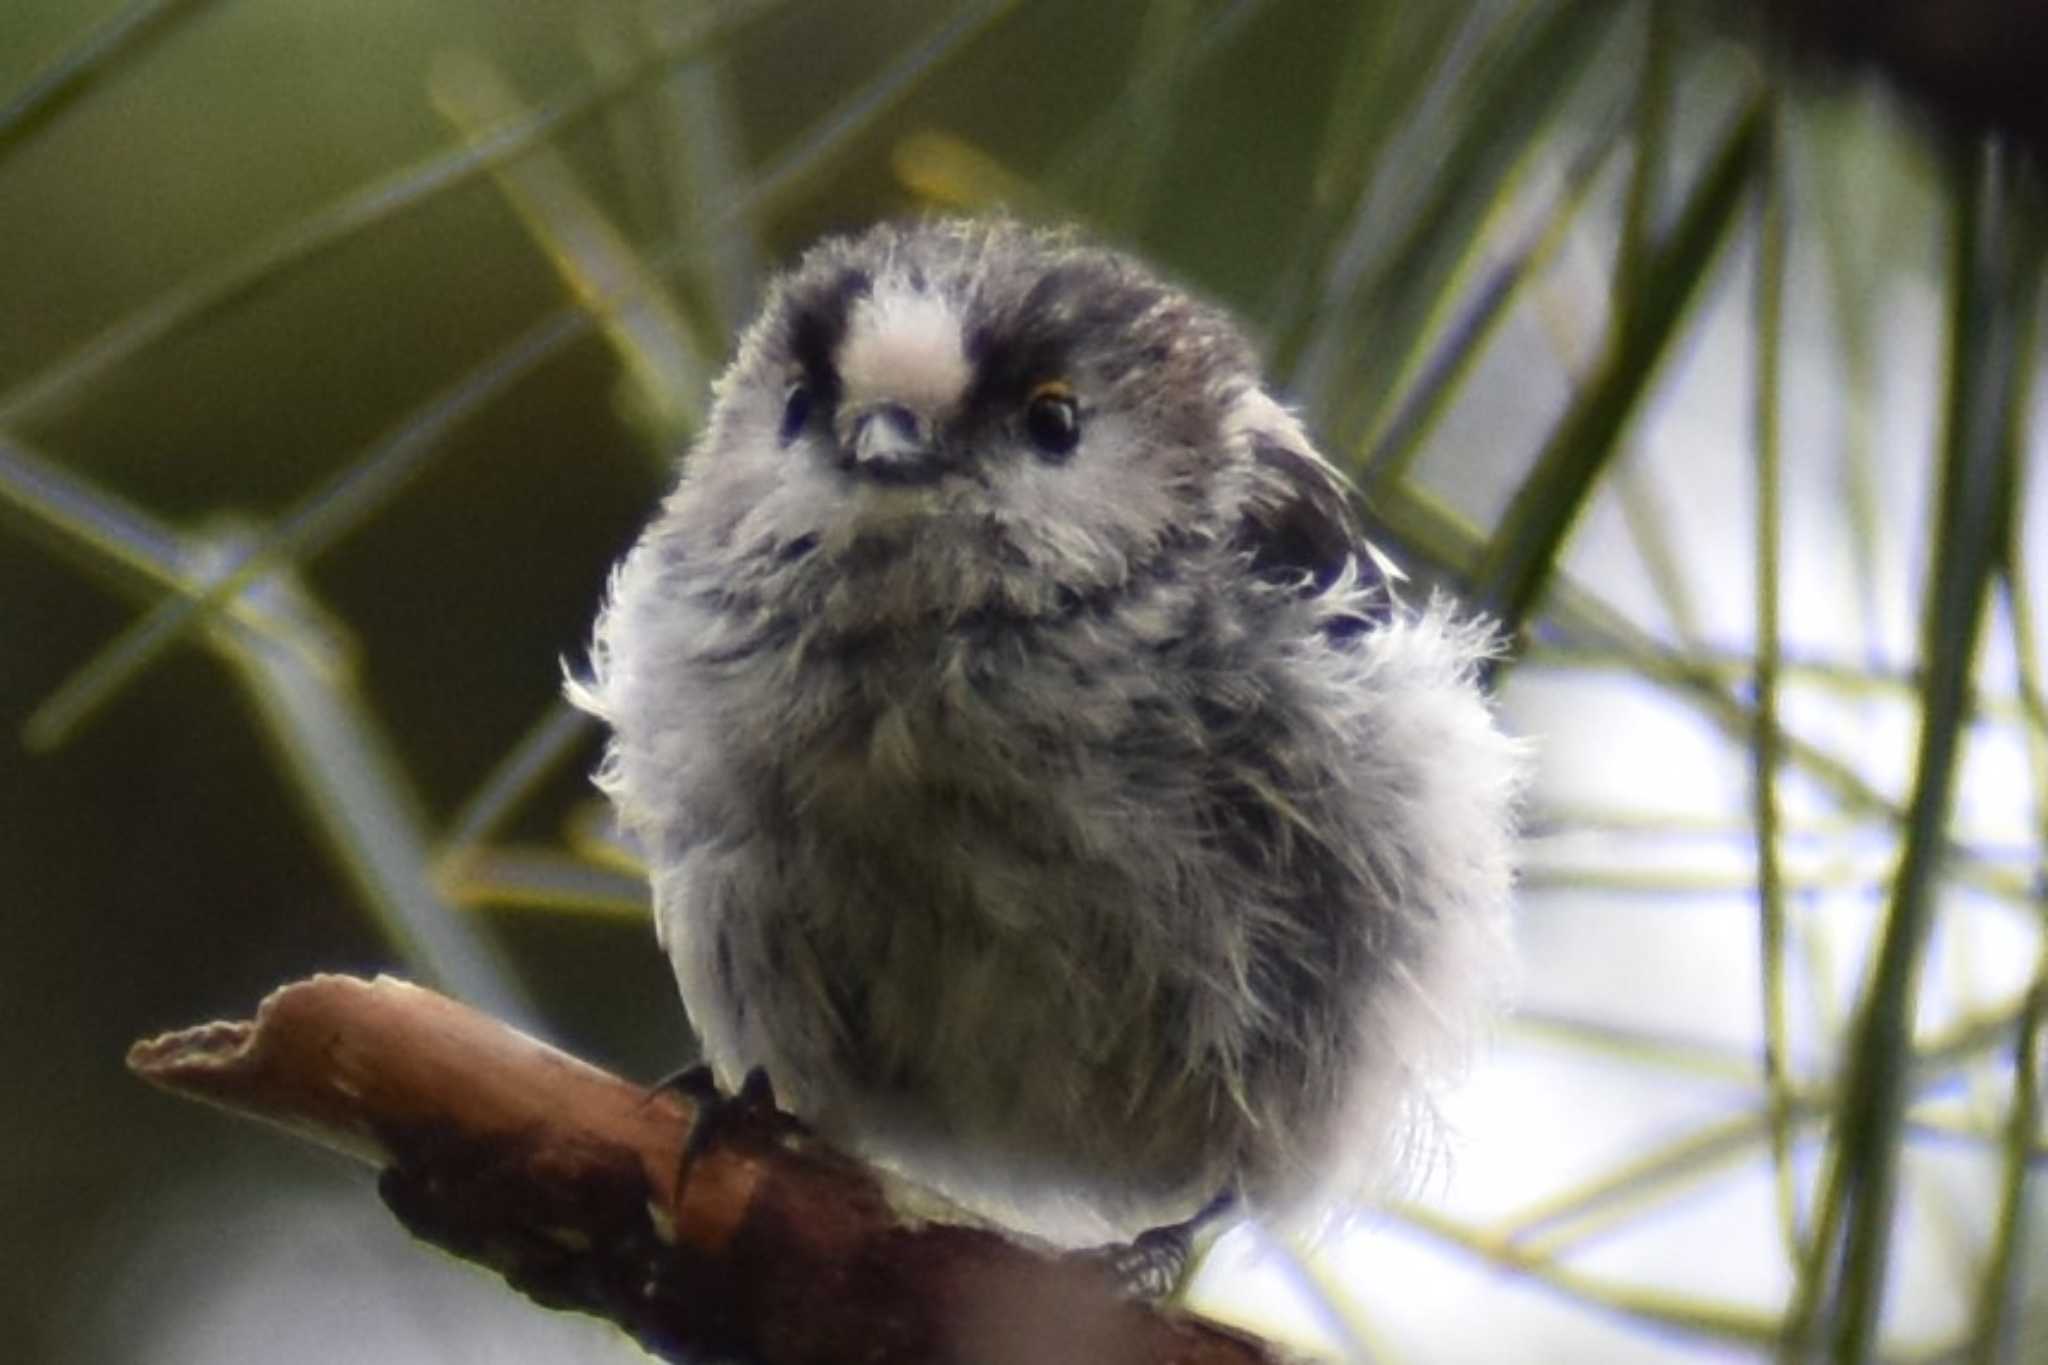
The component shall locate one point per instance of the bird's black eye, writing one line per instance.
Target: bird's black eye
(1052, 419)
(796, 412)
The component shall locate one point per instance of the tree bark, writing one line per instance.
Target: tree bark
(774, 1248)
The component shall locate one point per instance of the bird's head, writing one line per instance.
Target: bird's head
(980, 415)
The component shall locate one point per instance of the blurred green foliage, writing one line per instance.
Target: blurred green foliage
(329, 348)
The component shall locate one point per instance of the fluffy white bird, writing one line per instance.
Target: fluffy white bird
(1040, 775)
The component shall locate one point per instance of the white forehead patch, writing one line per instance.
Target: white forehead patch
(904, 346)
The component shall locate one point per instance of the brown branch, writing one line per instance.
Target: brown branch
(562, 1177)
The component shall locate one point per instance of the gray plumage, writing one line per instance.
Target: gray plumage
(1038, 773)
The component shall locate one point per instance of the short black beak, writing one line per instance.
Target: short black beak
(890, 439)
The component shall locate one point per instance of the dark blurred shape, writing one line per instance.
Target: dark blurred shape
(1976, 64)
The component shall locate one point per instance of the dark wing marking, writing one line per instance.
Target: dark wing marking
(1302, 531)
(1298, 525)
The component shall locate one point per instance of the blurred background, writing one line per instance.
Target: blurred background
(342, 348)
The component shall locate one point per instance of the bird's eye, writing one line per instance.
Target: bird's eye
(796, 412)
(1053, 419)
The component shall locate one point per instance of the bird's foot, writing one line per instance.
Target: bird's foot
(1152, 1265)
(750, 1110)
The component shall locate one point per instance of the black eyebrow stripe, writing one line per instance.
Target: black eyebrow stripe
(1039, 338)
(818, 325)
(1004, 369)
(1032, 343)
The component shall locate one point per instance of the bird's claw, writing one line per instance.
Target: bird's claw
(720, 1117)
(1152, 1265)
